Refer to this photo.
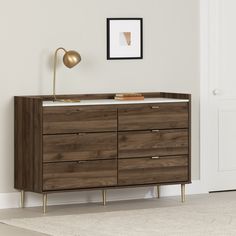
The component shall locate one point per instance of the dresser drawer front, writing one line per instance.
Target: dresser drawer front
(153, 143)
(74, 119)
(147, 170)
(73, 175)
(81, 146)
(154, 116)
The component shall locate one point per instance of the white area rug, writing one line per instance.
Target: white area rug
(210, 219)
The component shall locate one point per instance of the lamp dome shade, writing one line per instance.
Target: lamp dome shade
(71, 58)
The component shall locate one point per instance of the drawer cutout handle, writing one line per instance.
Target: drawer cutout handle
(155, 107)
(156, 157)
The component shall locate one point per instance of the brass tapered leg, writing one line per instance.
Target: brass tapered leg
(22, 198)
(183, 192)
(104, 197)
(158, 191)
(45, 198)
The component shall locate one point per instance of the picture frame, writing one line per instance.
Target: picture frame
(124, 38)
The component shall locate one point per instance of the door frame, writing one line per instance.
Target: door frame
(204, 90)
(209, 59)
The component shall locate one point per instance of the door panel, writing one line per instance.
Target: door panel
(227, 48)
(221, 115)
(227, 139)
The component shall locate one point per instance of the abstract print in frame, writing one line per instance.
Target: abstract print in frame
(124, 38)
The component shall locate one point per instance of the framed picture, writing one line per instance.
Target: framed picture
(124, 38)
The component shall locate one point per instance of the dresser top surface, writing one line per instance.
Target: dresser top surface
(112, 102)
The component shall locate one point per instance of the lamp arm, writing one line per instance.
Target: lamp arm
(54, 71)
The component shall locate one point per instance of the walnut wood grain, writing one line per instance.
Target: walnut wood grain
(85, 174)
(152, 143)
(109, 96)
(81, 146)
(147, 170)
(28, 144)
(153, 116)
(189, 136)
(49, 133)
(75, 119)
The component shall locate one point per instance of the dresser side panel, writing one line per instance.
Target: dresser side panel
(190, 136)
(28, 144)
(18, 145)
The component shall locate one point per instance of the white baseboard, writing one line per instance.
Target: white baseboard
(12, 200)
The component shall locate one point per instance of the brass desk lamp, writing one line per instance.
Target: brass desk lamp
(70, 59)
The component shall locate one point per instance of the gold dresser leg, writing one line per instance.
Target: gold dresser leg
(183, 192)
(158, 191)
(45, 198)
(22, 198)
(104, 197)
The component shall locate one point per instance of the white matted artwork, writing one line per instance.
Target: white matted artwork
(124, 38)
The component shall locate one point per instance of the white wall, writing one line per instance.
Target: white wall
(32, 29)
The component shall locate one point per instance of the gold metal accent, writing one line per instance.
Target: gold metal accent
(183, 192)
(155, 107)
(155, 130)
(104, 197)
(22, 198)
(70, 59)
(67, 100)
(158, 191)
(45, 199)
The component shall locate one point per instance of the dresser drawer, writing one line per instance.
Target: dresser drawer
(74, 119)
(81, 146)
(153, 116)
(148, 170)
(84, 174)
(152, 143)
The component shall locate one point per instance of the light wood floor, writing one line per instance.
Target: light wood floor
(97, 207)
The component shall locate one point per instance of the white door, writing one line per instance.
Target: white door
(222, 95)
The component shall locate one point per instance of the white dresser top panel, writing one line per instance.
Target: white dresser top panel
(112, 102)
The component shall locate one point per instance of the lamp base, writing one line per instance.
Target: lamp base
(66, 100)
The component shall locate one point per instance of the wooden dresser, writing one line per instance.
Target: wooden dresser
(101, 143)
